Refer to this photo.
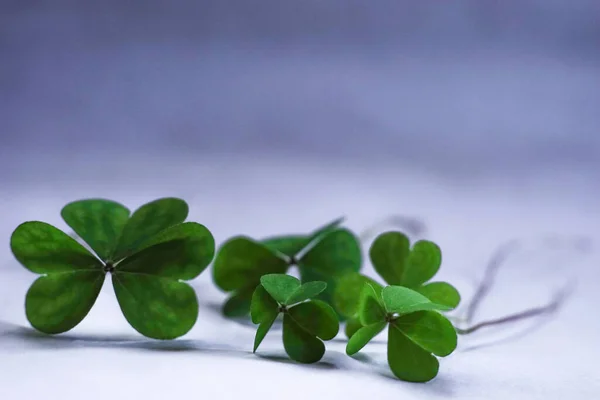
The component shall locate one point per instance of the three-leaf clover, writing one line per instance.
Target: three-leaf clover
(398, 264)
(323, 255)
(306, 321)
(417, 332)
(148, 254)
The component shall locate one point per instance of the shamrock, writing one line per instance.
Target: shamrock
(400, 265)
(417, 332)
(323, 255)
(305, 323)
(148, 254)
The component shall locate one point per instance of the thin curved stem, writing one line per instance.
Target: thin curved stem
(551, 307)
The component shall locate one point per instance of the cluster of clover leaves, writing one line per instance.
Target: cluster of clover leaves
(151, 252)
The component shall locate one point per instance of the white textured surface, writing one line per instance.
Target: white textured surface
(104, 358)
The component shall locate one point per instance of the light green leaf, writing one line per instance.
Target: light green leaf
(317, 318)
(280, 286)
(288, 245)
(347, 292)
(407, 360)
(58, 302)
(240, 262)
(263, 306)
(402, 300)
(182, 252)
(147, 221)
(352, 325)
(388, 254)
(363, 336)
(430, 330)
(98, 222)
(306, 291)
(440, 293)
(262, 331)
(370, 308)
(299, 344)
(156, 307)
(44, 249)
(422, 264)
(400, 265)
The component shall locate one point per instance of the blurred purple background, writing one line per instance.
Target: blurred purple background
(478, 117)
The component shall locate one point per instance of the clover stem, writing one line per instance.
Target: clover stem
(282, 309)
(391, 317)
(109, 267)
(549, 308)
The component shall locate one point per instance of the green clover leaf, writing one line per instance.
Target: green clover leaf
(417, 332)
(322, 255)
(306, 321)
(149, 255)
(400, 265)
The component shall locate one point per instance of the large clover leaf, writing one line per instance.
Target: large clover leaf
(322, 255)
(149, 254)
(306, 321)
(399, 264)
(417, 332)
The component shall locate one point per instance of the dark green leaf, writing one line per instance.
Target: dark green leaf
(407, 360)
(352, 325)
(288, 245)
(306, 291)
(402, 300)
(98, 222)
(238, 304)
(422, 264)
(241, 262)
(440, 293)
(157, 307)
(292, 245)
(388, 255)
(58, 302)
(182, 251)
(335, 255)
(325, 230)
(363, 336)
(317, 318)
(262, 331)
(347, 292)
(280, 286)
(430, 330)
(370, 308)
(299, 344)
(147, 221)
(263, 307)
(44, 249)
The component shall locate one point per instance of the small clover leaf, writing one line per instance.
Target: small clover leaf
(280, 286)
(441, 293)
(148, 255)
(322, 255)
(307, 291)
(305, 324)
(371, 310)
(400, 265)
(402, 300)
(416, 332)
